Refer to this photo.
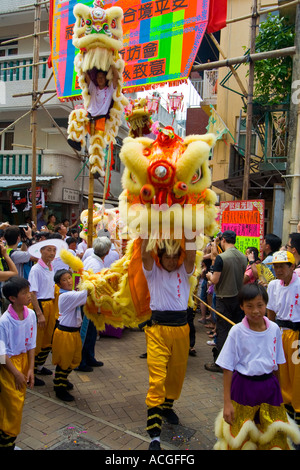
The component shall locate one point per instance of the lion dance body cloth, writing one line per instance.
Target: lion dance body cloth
(168, 177)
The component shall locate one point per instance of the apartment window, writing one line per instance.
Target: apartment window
(62, 122)
(7, 50)
(241, 137)
(7, 138)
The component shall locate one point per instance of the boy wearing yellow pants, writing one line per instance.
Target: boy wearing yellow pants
(67, 344)
(167, 334)
(17, 343)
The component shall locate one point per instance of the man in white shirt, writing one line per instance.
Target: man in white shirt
(111, 256)
(167, 334)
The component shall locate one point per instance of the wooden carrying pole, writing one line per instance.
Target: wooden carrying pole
(35, 80)
(216, 312)
(232, 69)
(91, 199)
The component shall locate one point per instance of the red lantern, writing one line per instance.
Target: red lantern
(153, 103)
(175, 101)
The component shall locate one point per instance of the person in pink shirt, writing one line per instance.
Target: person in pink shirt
(251, 275)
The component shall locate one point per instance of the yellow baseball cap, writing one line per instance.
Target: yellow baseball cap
(283, 257)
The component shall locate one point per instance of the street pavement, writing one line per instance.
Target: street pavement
(109, 411)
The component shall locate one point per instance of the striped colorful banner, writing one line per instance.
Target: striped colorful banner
(161, 40)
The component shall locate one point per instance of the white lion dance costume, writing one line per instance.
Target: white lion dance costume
(98, 36)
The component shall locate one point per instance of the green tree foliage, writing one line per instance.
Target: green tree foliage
(273, 76)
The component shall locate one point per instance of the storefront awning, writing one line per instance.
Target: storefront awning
(10, 182)
(261, 185)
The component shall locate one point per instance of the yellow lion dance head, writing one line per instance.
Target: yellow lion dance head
(166, 183)
(98, 34)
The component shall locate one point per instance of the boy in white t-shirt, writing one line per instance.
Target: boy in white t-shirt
(167, 334)
(67, 345)
(17, 343)
(284, 308)
(101, 95)
(254, 415)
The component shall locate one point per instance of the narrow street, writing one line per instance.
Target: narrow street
(109, 411)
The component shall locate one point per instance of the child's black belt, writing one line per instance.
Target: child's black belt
(95, 118)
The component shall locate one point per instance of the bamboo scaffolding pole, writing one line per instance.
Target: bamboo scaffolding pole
(234, 72)
(216, 312)
(46, 101)
(246, 58)
(19, 95)
(249, 125)
(26, 146)
(9, 41)
(57, 126)
(262, 12)
(35, 81)
(34, 4)
(15, 122)
(26, 114)
(25, 65)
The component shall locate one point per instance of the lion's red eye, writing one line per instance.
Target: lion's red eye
(197, 176)
(146, 152)
(113, 24)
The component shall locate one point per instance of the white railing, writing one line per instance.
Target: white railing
(18, 67)
(206, 87)
(13, 163)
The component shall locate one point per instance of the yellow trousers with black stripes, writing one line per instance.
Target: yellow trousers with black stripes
(11, 400)
(66, 349)
(289, 372)
(44, 335)
(167, 356)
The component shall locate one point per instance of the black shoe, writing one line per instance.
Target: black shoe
(143, 356)
(213, 367)
(75, 145)
(170, 415)
(38, 382)
(95, 363)
(64, 395)
(70, 386)
(154, 445)
(84, 368)
(44, 371)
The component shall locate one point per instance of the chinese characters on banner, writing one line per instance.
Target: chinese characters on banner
(161, 40)
(246, 219)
